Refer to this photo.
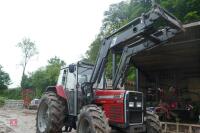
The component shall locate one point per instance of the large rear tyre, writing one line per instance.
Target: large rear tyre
(92, 120)
(153, 127)
(50, 114)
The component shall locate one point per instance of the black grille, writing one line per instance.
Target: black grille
(135, 117)
(135, 113)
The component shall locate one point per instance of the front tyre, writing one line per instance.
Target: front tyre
(153, 127)
(92, 120)
(50, 114)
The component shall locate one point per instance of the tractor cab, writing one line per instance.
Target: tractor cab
(73, 79)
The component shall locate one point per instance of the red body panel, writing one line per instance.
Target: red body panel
(112, 102)
(60, 91)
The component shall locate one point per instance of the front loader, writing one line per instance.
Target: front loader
(83, 101)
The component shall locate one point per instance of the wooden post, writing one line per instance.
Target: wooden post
(190, 129)
(165, 127)
(177, 127)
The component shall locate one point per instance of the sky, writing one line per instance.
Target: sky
(62, 28)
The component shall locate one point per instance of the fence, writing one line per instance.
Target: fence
(168, 127)
(14, 104)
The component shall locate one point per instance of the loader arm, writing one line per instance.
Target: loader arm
(136, 47)
(142, 30)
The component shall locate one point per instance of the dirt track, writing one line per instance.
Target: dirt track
(25, 121)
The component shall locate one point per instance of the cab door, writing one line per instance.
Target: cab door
(70, 86)
(68, 79)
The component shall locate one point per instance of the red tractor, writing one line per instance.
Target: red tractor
(81, 99)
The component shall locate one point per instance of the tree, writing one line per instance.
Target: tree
(123, 12)
(118, 15)
(4, 79)
(26, 83)
(56, 61)
(53, 69)
(28, 50)
(185, 10)
(44, 76)
(91, 56)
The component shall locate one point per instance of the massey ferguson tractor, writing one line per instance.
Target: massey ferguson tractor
(82, 99)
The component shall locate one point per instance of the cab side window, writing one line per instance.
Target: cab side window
(64, 77)
(71, 81)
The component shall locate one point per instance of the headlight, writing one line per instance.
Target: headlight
(138, 104)
(131, 104)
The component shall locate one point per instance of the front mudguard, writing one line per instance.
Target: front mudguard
(59, 90)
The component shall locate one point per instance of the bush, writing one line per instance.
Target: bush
(2, 101)
(11, 94)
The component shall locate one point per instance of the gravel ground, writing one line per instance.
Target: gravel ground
(25, 121)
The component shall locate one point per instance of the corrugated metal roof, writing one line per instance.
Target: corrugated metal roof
(192, 24)
(181, 52)
(192, 32)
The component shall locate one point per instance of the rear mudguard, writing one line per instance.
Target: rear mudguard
(59, 90)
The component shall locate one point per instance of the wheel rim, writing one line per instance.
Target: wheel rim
(43, 116)
(85, 126)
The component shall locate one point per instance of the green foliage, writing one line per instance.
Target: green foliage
(26, 82)
(45, 76)
(118, 15)
(11, 94)
(2, 101)
(192, 16)
(91, 55)
(185, 10)
(123, 12)
(4, 79)
(56, 61)
(28, 48)
(131, 76)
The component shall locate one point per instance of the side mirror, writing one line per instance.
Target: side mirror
(72, 68)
